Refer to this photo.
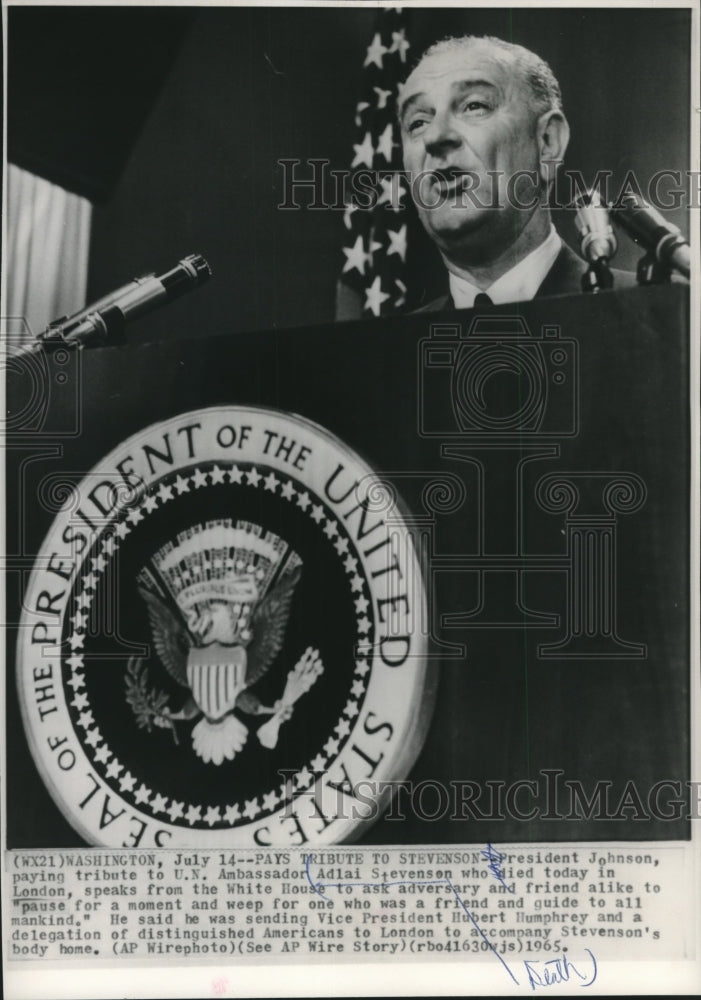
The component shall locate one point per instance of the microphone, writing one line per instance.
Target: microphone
(103, 321)
(597, 240)
(663, 241)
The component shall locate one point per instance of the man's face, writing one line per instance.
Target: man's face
(465, 115)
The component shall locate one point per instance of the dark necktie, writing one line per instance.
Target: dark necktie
(481, 301)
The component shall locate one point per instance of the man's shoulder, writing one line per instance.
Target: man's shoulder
(436, 305)
(563, 278)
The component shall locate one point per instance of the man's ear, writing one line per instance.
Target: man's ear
(553, 135)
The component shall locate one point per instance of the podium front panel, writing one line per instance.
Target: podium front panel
(539, 457)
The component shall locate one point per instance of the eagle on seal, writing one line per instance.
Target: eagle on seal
(218, 662)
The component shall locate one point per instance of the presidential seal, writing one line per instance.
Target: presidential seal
(224, 639)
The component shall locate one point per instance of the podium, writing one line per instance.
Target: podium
(540, 456)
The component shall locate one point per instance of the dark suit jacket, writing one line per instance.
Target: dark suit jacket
(563, 278)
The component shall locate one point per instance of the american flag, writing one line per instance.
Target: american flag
(373, 275)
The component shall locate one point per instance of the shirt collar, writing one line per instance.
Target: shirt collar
(519, 284)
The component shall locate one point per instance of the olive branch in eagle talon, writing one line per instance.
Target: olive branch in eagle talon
(219, 673)
(149, 707)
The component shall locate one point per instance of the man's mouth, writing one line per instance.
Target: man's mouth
(451, 180)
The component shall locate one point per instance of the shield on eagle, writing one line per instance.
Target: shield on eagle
(217, 676)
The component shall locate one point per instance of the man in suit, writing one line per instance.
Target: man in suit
(483, 133)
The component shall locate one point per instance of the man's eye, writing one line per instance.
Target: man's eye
(475, 107)
(415, 124)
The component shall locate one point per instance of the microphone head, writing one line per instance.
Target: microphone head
(197, 267)
(650, 230)
(596, 235)
(640, 220)
(190, 272)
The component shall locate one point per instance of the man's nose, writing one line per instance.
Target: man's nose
(441, 137)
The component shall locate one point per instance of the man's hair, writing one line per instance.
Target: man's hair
(545, 90)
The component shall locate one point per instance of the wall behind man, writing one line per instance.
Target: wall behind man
(251, 86)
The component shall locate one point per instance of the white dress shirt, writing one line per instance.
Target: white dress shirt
(519, 284)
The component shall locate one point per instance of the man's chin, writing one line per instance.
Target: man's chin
(452, 227)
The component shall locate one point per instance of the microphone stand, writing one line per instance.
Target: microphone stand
(651, 272)
(597, 241)
(665, 248)
(103, 322)
(598, 277)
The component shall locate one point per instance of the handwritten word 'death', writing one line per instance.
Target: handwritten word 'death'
(558, 970)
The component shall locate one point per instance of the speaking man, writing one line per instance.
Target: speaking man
(483, 133)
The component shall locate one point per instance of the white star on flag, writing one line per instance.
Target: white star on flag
(399, 44)
(374, 246)
(382, 96)
(359, 108)
(374, 296)
(347, 215)
(392, 192)
(376, 51)
(363, 152)
(397, 242)
(355, 256)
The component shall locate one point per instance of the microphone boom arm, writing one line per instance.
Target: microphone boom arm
(103, 322)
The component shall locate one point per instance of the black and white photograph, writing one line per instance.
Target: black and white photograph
(350, 366)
